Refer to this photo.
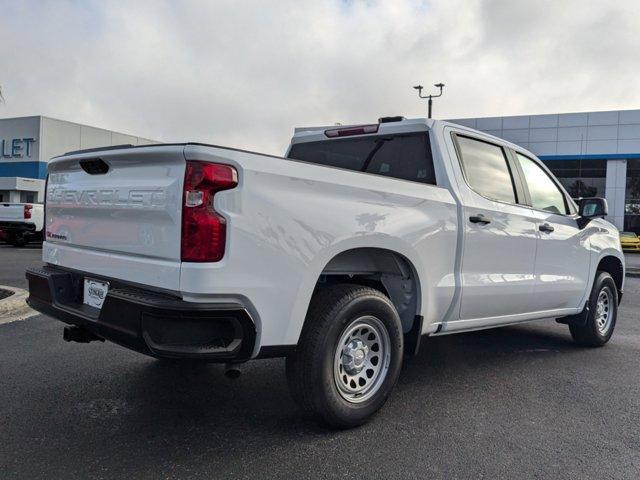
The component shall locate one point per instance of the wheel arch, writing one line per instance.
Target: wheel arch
(388, 268)
(614, 267)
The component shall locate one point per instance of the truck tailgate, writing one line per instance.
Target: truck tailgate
(117, 213)
(11, 212)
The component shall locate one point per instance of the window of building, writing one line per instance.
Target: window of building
(545, 195)
(632, 197)
(407, 157)
(486, 169)
(27, 197)
(580, 178)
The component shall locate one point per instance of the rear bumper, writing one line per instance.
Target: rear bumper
(17, 226)
(154, 324)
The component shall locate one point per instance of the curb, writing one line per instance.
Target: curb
(15, 307)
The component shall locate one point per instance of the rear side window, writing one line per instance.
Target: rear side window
(486, 169)
(545, 194)
(407, 157)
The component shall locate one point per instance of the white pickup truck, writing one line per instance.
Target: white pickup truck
(21, 222)
(339, 257)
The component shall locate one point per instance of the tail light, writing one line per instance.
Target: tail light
(27, 211)
(348, 131)
(203, 229)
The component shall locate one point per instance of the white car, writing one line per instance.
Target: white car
(339, 257)
(21, 222)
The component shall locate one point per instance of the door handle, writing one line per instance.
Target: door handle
(545, 227)
(479, 219)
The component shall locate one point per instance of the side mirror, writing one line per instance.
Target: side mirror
(592, 207)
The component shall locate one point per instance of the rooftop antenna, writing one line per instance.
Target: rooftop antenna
(430, 97)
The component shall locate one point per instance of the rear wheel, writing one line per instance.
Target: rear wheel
(16, 239)
(602, 315)
(349, 355)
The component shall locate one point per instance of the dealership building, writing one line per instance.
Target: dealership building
(591, 153)
(28, 143)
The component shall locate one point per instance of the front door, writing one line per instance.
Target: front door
(563, 258)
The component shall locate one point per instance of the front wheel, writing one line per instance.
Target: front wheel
(349, 355)
(602, 315)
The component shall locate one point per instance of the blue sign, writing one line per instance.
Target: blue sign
(16, 148)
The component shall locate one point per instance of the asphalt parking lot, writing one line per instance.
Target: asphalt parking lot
(517, 402)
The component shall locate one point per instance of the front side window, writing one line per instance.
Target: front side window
(407, 157)
(545, 194)
(486, 169)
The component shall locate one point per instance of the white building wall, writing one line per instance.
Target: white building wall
(22, 127)
(59, 137)
(615, 191)
(585, 133)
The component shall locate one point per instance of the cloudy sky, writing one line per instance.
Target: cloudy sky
(244, 73)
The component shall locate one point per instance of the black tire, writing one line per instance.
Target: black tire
(589, 334)
(17, 239)
(334, 310)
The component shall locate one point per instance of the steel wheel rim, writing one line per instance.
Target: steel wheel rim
(362, 358)
(604, 311)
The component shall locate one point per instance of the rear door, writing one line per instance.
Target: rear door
(563, 259)
(499, 234)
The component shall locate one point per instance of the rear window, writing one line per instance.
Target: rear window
(487, 170)
(407, 157)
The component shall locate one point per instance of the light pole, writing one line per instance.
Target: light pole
(430, 97)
